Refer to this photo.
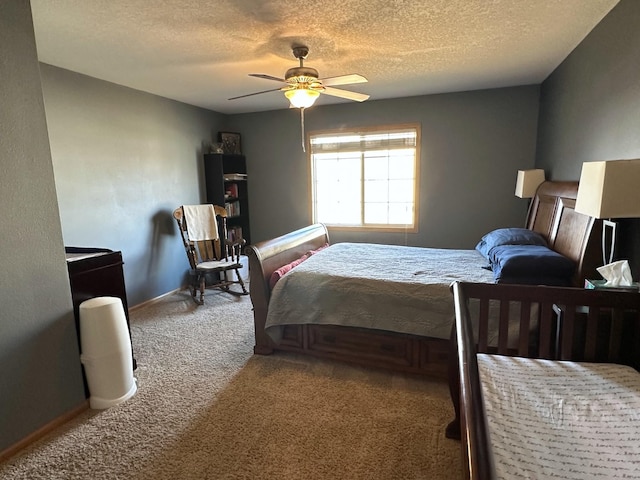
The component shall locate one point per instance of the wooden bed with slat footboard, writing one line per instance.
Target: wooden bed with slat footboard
(576, 331)
(551, 214)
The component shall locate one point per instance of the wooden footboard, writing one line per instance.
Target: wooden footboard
(574, 324)
(268, 256)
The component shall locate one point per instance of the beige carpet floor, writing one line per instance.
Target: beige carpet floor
(207, 408)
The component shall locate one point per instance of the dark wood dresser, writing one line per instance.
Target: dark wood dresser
(95, 272)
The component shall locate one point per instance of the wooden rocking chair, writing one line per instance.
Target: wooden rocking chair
(212, 259)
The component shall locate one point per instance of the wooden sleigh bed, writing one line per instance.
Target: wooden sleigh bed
(562, 402)
(551, 214)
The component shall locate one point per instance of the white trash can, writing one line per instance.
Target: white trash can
(106, 352)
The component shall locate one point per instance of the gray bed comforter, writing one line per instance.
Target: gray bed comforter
(386, 287)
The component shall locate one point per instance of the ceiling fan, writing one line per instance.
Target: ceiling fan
(302, 87)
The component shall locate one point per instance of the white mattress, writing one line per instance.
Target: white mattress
(561, 419)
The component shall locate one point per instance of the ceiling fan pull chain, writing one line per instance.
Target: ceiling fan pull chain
(302, 127)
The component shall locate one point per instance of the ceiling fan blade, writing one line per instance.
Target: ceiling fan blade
(256, 93)
(337, 92)
(343, 80)
(267, 77)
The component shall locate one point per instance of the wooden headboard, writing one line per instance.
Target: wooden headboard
(568, 232)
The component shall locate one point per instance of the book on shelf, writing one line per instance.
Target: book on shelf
(229, 177)
(232, 208)
(231, 191)
(234, 234)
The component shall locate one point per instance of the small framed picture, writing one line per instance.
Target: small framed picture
(230, 142)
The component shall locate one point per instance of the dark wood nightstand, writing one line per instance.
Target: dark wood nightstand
(597, 334)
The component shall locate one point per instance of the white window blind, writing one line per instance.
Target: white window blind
(365, 178)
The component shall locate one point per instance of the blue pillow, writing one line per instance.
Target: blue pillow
(508, 236)
(530, 264)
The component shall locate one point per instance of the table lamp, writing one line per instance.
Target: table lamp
(609, 189)
(528, 182)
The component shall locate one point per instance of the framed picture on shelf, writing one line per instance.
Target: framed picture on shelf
(230, 142)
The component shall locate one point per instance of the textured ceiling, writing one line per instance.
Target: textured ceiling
(200, 52)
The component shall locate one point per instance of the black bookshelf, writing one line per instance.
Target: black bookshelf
(227, 185)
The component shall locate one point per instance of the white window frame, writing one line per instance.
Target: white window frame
(349, 150)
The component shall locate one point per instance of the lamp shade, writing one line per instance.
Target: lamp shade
(302, 97)
(528, 182)
(609, 189)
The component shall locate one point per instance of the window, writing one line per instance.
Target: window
(365, 178)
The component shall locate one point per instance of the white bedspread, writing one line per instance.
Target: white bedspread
(385, 287)
(561, 419)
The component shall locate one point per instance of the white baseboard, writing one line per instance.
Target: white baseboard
(155, 299)
(42, 431)
(244, 273)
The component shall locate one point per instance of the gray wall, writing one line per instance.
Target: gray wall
(123, 161)
(590, 108)
(473, 143)
(40, 376)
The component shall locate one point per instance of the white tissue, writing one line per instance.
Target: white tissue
(616, 274)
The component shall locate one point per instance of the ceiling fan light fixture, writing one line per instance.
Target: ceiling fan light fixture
(302, 97)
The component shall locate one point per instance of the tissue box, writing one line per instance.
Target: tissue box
(600, 284)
